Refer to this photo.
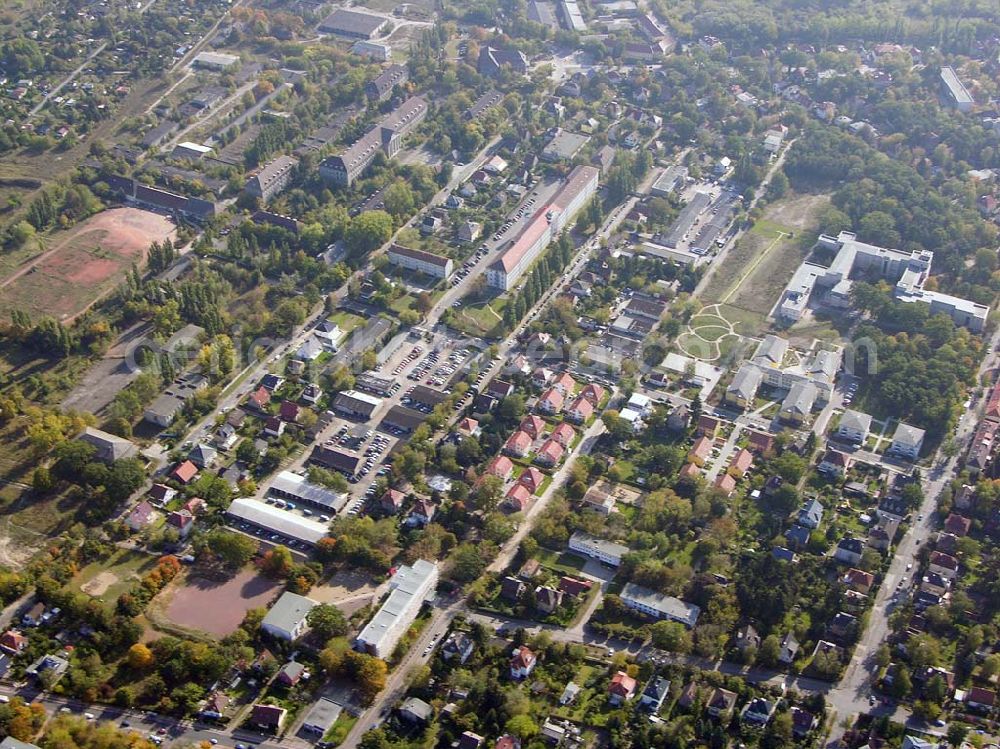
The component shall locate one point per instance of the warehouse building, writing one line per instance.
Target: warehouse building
(410, 586)
(296, 488)
(288, 526)
(955, 90)
(353, 24)
(214, 61)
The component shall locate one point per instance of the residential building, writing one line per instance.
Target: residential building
(269, 718)
(415, 710)
(906, 441)
(854, 426)
(789, 649)
(958, 95)
(493, 61)
(550, 453)
(286, 620)
(621, 689)
(811, 514)
(386, 137)
(421, 261)
(522, 662)
(547, 598)
(457, 645)
(579, 187)
(518, 444)
(381, 86)
(483, 104)
(849, 551)
(654, 693)
(271, 178)
(758, 711)
(721, 703)
(597, 548)
(743, 389)
(799, 402)
(659, 606)
(410, 586)
(564, 145)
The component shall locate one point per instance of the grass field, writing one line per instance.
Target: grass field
(83, 263)
(108, 579)
(762, 262)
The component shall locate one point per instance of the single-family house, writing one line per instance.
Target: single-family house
(621, 689)
(522, 662)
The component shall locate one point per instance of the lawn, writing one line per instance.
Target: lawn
(108, 579)
(347, 321)
(339, 730)
(564, 562)
(480, 319)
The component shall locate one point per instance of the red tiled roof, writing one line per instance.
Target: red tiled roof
(185, 471)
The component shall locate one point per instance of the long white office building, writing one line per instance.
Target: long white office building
(410, 587)
(907, 270)
(420, 261)
(548, 221)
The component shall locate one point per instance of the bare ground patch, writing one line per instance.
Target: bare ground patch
(99, 585)
(215, 607)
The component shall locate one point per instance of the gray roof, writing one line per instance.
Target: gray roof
(771, 351)
(812, 511)
(352, 22)
(321, 716)
(286, 523)
(109, 447)
(800, 398)
(855, 421)
(11, 743)
(417, 708)
(295, 485)
(288, 611)
(823, 365)
(746, 382)
(908, 435)
(669, 606)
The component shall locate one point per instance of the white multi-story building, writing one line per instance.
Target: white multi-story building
(597, 548)
(410, 586)
(659, 606)
(909, 270)
(420, 261)
(579, 188)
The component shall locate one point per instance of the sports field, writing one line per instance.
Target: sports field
(84, 263)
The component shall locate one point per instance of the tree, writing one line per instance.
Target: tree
(140, 657)
(957, 733)
(368, 232)
(327, 621)
(671, 636)
(234, 549)
(399, 200)
(20, 233)
(770, 650)
(278, 562)
(522, 726)
(901, 685)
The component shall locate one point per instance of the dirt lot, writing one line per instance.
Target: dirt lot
(83, 263)
(216, 606)
(348, 591)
